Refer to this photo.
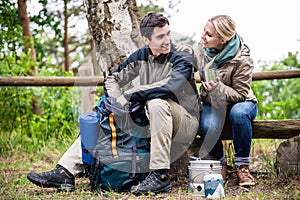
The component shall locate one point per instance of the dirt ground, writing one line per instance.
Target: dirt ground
(268, 186)
(13, 183)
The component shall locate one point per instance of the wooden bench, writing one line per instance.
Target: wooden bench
(272, 129)
(276, 129)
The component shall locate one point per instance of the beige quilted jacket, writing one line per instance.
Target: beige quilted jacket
(235, 78)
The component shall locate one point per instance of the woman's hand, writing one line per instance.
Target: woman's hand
(181, 47)
(210, 85)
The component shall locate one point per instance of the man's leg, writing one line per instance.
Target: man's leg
(167, 120)
(161, 128)
(169, 123)
(72, 158)
(63, 175)
(185, 128)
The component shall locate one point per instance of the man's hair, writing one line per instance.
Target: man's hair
(150, 21)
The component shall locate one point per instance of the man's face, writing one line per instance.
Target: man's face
(160, 42)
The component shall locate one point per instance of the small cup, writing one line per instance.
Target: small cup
(208, 75)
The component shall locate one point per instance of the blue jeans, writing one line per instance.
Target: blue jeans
(212, 121)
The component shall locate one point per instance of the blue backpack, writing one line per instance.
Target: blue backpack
(115, 150)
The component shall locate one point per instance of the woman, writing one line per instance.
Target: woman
(229, 96)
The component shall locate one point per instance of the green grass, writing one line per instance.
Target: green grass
(15, 165)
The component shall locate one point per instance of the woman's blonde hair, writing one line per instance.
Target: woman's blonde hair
(224, 25)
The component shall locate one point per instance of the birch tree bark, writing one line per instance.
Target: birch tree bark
(114, 26)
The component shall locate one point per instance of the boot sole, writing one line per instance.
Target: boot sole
(246, 184)
(166, 189)
(49, 184)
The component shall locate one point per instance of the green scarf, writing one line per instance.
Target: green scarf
(227, 53)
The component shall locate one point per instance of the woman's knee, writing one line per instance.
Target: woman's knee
(238, 113)
(203, 127)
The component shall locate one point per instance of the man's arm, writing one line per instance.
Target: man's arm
(181, 70)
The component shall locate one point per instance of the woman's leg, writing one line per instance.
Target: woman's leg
(241, 116)
(211, 125)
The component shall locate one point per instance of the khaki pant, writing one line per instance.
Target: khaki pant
(170, 125)
(72, 158)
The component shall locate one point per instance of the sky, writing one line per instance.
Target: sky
(270, 28)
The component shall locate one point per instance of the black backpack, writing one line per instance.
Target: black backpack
(115, 150)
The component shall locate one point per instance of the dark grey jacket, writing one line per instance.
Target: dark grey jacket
(168, 76)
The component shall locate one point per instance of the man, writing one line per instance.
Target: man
(164, 82)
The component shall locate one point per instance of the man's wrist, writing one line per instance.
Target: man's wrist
(122, 100)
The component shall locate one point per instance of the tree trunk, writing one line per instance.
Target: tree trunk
(25, 23)
(114, 29)
(288, 157)
(66, 39)
(29, 45)
(94, 60)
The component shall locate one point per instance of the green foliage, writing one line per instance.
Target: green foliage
(150, 6)
(291, 62)
(46, 21)
(279, 99)
(31, 116)
(21, 125)
(24, 127)
(11, 30)
(48, 32)
(12, 65)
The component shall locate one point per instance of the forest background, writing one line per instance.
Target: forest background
(53, 42)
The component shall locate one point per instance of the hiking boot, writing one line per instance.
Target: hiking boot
(156, 182)
(59, 178)
(224, 171)
(244, 176)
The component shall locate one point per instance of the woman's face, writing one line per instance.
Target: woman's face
(210, 39)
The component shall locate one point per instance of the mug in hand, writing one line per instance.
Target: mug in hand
(208, 75)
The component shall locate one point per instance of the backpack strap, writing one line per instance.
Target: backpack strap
(107, 161)
(95, 178)
(134, 156)
(113, 135)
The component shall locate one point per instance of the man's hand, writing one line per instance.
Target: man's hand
(134, 106)
(111, 105)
